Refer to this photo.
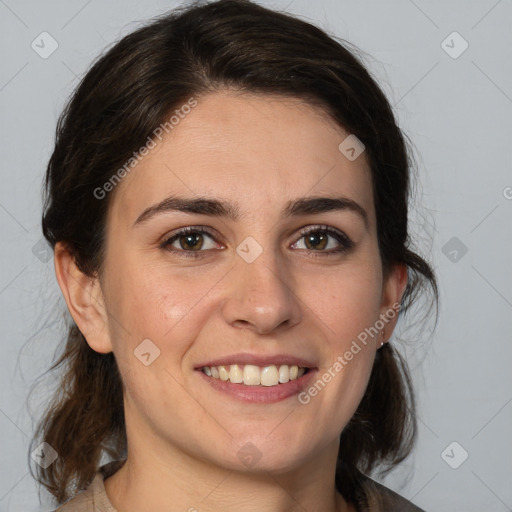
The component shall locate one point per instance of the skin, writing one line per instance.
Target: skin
(183, 436)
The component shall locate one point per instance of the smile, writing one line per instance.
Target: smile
(252, 375)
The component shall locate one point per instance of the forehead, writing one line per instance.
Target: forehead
(257, 150)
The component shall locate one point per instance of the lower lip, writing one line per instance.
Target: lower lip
(260, 394)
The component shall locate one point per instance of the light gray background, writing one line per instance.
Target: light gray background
(458, 113)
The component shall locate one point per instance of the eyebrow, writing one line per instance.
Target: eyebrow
(215, 208)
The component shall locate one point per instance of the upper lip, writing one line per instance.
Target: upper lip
(257, 360)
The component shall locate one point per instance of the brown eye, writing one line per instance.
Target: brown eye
(316, 240)
(189, 241)
(319, 238)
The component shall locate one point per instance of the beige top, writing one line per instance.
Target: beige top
(374, 497)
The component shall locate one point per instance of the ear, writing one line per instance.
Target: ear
(392, 292)
(84, 299)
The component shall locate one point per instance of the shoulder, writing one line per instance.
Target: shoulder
(375, 497)
(94, 498)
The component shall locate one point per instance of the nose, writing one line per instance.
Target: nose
(261, 295)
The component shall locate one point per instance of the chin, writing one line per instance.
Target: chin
(263, 454)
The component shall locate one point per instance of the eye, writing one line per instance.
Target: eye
(189, 242)
(319, 238)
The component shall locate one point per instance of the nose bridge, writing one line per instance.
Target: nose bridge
(264, 277)
(262, 293)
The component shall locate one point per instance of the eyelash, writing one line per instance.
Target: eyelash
(344, 240)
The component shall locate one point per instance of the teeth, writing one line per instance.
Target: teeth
(236, 374)
(223, 373)
(269, 376)
(252, 375)
(284, 373)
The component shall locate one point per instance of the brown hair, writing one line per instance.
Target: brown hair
(126, 94)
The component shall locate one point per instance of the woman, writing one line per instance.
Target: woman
(227, 202)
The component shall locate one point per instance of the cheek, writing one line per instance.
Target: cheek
(151, 304)
(347, 301)
(348, 307)
(168, 307)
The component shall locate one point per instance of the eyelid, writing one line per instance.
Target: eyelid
(188, 229)
(322, 227)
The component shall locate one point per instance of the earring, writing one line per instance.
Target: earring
(382, 342)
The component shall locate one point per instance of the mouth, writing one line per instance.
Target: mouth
(252, 383)
(253, 375)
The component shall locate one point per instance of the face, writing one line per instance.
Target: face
(264, 277)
